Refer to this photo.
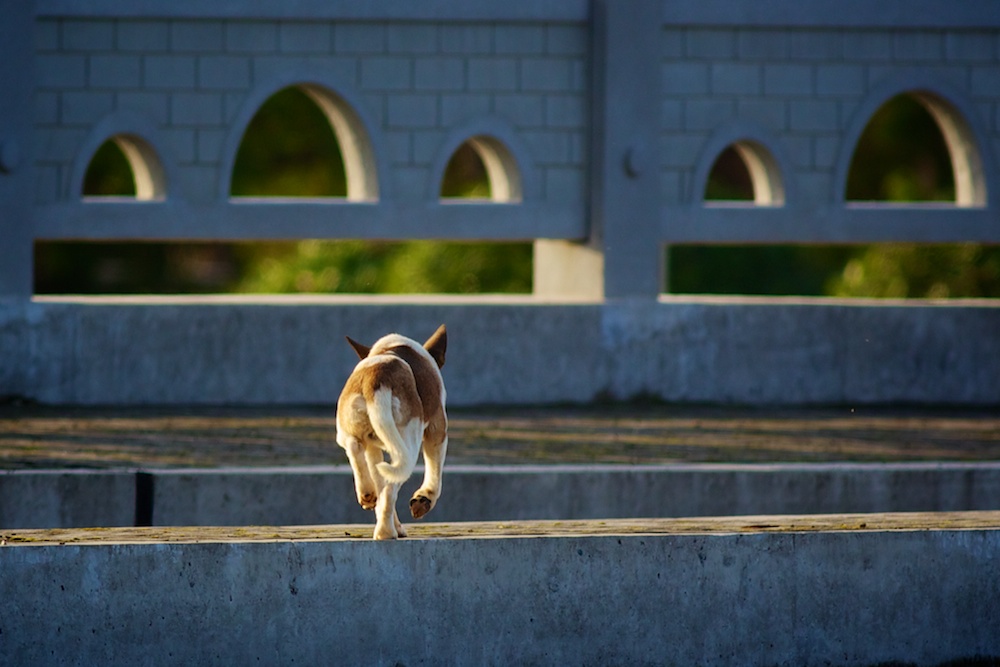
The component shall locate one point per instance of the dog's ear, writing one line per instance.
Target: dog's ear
(437, 345)
(362, 350)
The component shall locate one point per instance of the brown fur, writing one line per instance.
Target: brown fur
(395, 372)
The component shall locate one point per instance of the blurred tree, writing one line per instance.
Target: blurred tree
(71, 267)
(901, 156)
(913, 271)
(289, 150)
(109, 173)
(390, 267)
(465, 175)
(729, 178)
(765, 270)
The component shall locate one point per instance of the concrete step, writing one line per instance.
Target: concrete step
(325, 494)
(858, 589)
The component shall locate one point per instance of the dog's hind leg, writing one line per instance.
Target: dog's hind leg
(364, 485)
(373, 456)
(426, 497)
(387, 526)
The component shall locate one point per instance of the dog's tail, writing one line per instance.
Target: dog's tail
(403, 447)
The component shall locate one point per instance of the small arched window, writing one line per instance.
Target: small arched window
(124, 166)
(916, 147)
(745, 171)
(482, 168)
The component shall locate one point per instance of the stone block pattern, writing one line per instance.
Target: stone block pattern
(421, 82)
(418, 83)
(803, 87)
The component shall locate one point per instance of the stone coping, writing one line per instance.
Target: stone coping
(901, 521)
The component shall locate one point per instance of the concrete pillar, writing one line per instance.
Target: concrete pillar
(623, 257)
(16, 184)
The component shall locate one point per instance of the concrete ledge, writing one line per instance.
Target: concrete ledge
(844, 590)
(503, 493)
(313, 495)
(67, 498)
(507, 351)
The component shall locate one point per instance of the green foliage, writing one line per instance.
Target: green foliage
(912, 271)
(729, 179)
(465, 175)
(901, 156)
(109, 173)
(758, 270)
(392, 268)
(289, 150)
(67, 267)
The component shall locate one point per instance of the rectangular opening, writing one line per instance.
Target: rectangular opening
(884, 270)
(282, 267)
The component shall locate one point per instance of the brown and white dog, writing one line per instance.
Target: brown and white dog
(394, 403)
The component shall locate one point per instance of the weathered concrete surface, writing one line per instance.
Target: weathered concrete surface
(110, 438)
(862, 590)
(516, 350)
(480, 493)
(67, 498)
(13, 347)
(313, 495)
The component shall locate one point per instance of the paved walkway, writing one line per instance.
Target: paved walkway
(102, 438)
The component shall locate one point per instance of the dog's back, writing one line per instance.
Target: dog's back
(426, 375)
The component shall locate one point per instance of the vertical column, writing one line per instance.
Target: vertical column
(16, 186)
(623, 257)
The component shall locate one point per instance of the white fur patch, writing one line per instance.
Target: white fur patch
(403, 446)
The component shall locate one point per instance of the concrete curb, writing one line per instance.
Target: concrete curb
(847, 597)
(325, 494)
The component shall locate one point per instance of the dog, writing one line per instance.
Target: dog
(394, 403)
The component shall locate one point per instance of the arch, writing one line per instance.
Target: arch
(351, 127)
(764, 164)
(955, 119)
(504, 158)
(502, 174)
(134, 138)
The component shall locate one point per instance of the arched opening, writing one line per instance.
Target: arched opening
(124, 166)
(305, 141)
(482, 168)
(745, 172)
(465, 176)
(916, 148)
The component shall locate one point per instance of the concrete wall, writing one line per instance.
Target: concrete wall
(805, 598)
(417, 85)
(612, 112)
(310, 496)
(511, 351)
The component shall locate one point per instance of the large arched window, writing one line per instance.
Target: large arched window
(745, 171)
(124, 166)
(916, 148)
(305, 141)
(482, 168)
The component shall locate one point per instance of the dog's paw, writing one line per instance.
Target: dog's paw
(382, 533)
(368, 501)
(419, 506)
